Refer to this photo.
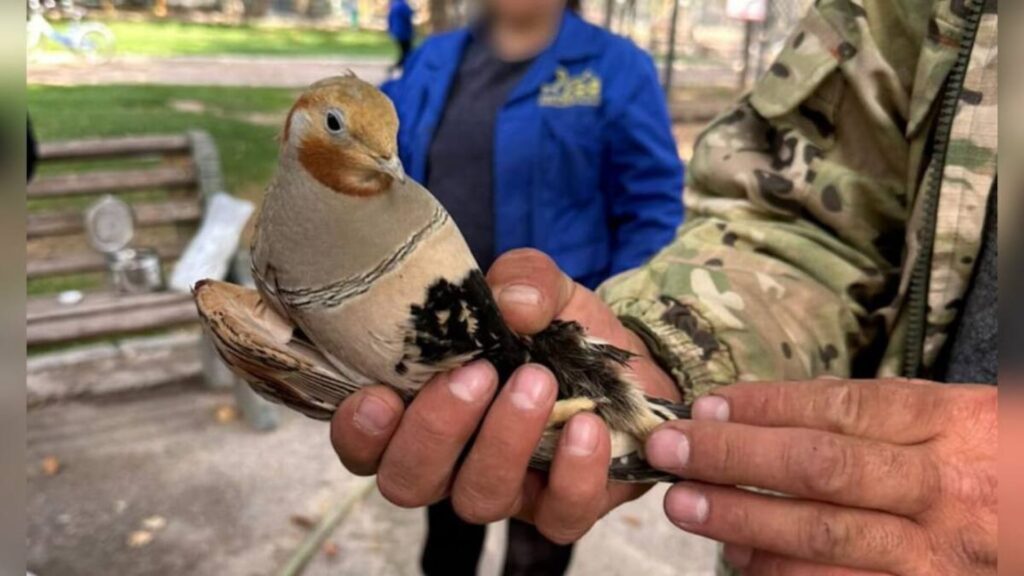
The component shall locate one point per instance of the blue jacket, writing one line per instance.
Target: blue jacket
(400, 21)
(586, 168)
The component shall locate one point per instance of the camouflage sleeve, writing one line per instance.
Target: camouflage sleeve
(796, 210)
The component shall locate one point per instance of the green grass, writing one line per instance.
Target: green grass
(170, 38)
(244, 122)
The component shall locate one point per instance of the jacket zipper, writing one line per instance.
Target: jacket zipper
(917, 298)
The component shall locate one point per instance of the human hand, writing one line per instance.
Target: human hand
(886, 476)
(415, 451)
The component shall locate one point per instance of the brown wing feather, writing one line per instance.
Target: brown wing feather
(266, 351)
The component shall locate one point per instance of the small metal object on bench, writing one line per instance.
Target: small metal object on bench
(162, 183)
(136, 271)
(110, 227)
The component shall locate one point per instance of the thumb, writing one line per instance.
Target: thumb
(530, 289)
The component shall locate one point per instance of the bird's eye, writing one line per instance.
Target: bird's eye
(333, 121)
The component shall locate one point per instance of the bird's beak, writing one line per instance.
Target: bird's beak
(393, 166)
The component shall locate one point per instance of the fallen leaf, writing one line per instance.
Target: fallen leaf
(330, 549)
(303, 521)
(51, 465)
(632, 521)
(140, 538)
(226, 414)
(154, 523)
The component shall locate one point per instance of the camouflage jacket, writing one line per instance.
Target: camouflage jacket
(834, 214)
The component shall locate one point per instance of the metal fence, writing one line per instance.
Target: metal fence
(709, 46)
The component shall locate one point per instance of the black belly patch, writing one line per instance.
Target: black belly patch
(458, 321)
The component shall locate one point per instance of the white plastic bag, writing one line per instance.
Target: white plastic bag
(210, 252)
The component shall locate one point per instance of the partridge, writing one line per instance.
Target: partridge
(363, 278)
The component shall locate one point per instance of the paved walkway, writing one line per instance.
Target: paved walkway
(267, 71)
(61, 69)
(155, 483)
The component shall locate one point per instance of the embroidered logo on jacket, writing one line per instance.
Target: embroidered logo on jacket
(567, 90)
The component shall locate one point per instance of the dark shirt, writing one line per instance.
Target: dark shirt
(460, 167)
(973, 351)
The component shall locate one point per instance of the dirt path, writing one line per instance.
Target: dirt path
(156, 482)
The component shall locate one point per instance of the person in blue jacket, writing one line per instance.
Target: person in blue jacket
(536, 129)
(401, 29)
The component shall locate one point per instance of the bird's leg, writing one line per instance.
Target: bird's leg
(566, 409)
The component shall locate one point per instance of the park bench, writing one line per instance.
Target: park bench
(166, 180)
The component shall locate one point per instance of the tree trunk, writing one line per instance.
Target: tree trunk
(440, 18)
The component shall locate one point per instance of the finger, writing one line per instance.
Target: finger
(533, 487)
(416, 467)
(362, 427)
(488, 486)
(530, 289)
(758, 563)
(800, 462)
(531, 292)
(576, 490)
(800, 529)
(895, 411)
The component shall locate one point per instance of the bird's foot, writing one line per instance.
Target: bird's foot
(566, 409)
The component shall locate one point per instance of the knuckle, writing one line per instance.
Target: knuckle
(974, 551)
(403, 488)
(921, 473)
(477, 507)
(396, 492)
(426, 431)
(826, 537)
(846, 406)
(823, 466)
(726, 456)
(563, 533)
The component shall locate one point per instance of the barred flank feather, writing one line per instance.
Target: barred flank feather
(266, 352)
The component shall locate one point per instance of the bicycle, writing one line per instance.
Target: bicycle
(91, 40)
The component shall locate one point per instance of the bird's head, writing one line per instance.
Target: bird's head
(343, 131)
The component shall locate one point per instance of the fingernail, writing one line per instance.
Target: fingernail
(686, 506)
(737, 556)
(668, 449)
(373, 415)
(471, 382)
(530, 387)
(711, 408)
(519, 295)
(581, 436)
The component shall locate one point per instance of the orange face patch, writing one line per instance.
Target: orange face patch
(340, 168)
(369, 115)
(347, 165)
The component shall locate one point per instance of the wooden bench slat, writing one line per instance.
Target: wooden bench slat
(110, 147)
(112, 181)
(107, 367)
(46, 308)
(85, 262)
(146, 214)
(119, 317)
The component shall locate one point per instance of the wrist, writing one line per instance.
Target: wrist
(650, 376)
(681, 342)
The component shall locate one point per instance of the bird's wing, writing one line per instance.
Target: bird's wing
(268, 352)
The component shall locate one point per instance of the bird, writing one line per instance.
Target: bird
(362, 278)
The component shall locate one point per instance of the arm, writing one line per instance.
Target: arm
(394, 88)
(646, 173)
(794, 226)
